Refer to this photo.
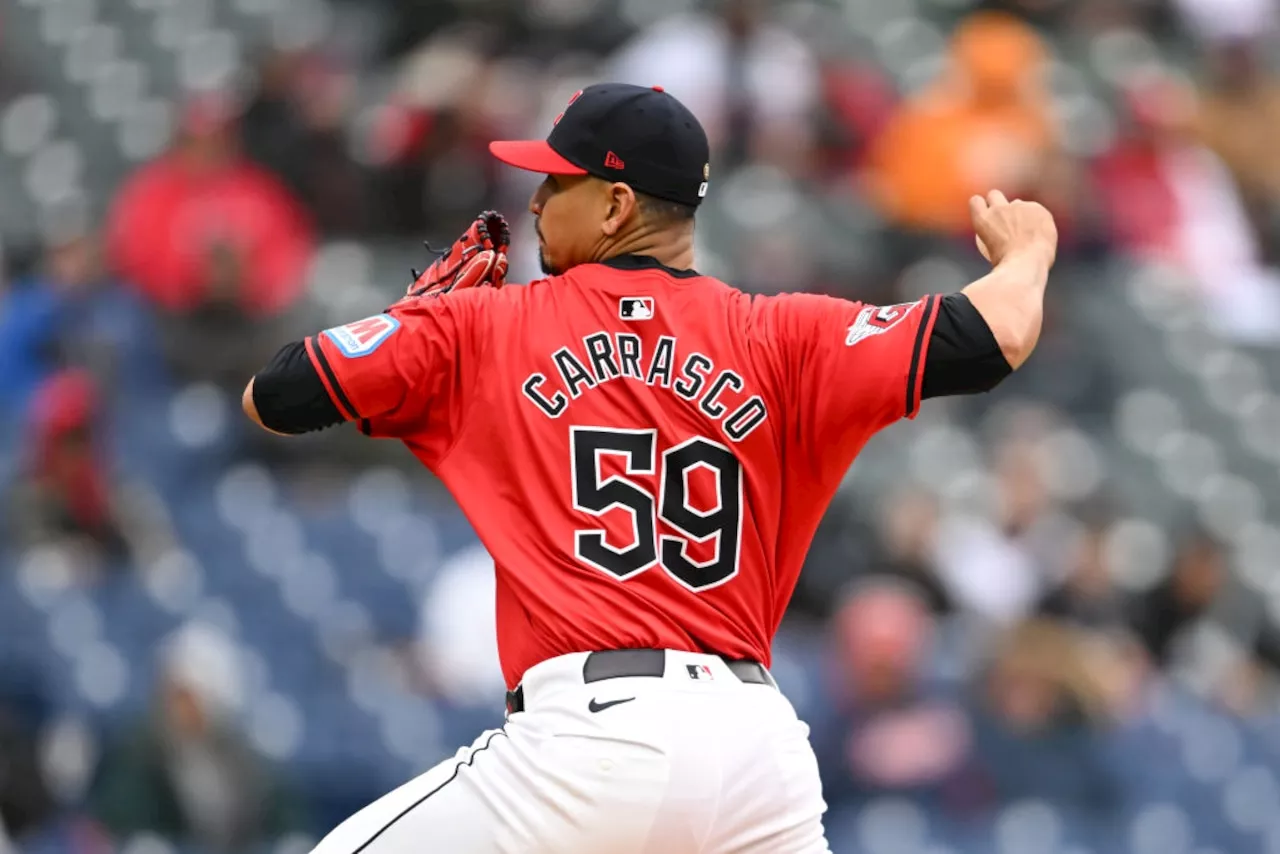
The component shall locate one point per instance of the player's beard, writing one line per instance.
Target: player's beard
(548, 269)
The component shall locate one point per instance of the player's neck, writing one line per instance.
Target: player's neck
(672, 249)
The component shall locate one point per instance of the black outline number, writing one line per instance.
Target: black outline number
(721, 524)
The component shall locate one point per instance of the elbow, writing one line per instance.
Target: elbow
(1016, 352)
(1019, 340)
(250, 408)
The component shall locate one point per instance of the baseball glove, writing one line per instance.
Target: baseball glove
(478, 257)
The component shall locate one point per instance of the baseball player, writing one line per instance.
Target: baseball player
(645, 452)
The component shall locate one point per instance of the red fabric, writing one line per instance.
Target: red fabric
(537, 155)
(1139, 202)
(861, 102)
(399, 134)
(459, 380)
(167, 218)
(66, 403)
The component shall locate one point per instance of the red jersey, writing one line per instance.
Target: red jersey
(645, 453)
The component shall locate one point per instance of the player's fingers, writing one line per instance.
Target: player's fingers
(995, 197)
(977, 206)
(498, 277)
(477, 270)
(982, 247)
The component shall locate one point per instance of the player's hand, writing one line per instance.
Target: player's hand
(1005, 228)
(478, 257)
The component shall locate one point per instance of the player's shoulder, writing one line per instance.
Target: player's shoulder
(771, 312)
(458, 302)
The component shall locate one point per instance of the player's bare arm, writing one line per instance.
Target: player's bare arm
(1020, 239)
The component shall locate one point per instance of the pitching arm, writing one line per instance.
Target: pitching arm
(1020, 239)
(288, 397)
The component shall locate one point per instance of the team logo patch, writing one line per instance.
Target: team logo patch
(635, 308)
(875, 320)
(699, 672)
(363, 336)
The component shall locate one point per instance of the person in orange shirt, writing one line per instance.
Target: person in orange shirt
(983, 123)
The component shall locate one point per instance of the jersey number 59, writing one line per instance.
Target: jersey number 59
(723, 523)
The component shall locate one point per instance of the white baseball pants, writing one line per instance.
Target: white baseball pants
(669, 765)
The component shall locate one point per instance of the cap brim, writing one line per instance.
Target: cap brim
(535, 155)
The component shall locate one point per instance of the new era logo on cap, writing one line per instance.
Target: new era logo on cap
(613, 161)
(635, 308)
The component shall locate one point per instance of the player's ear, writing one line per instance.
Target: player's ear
(622, 206)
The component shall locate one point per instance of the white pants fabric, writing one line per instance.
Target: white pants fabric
(706, 765)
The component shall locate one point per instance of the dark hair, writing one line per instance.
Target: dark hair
(663, 212)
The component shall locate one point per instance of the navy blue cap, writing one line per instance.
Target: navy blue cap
(639, 135)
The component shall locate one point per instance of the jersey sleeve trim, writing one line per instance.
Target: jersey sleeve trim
(329, 379)
(919, 353)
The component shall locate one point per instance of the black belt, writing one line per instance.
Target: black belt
(617, 663)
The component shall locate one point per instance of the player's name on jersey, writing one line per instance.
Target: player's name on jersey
(719, 394)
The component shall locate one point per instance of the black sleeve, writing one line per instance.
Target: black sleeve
(964, 357)
(290, 396)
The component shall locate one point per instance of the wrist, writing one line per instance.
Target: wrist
(1040, 252)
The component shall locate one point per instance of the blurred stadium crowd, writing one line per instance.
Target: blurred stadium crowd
(1044, 620)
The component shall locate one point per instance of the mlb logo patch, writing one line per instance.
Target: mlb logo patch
(699, 672)
(635, 308)
(363, 336)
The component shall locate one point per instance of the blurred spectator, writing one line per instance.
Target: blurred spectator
(753, 84)
(66, 313)
(1224, 20)
(186, 772)
(217, 245)
(858, 101)
(842, 550)
(37, 812)
(429, 145)
(459, 642)
(909, 530)
(294, 127)
(1267, 646)
(68, 497)
(893, 727)
(1089, 600)
(1088, 17)
(984, 123)
(26, 805)
(1238, 116)
(998, 568)
(1039, 721)
(1192, 587)
(1242, 685)
(1168, 199)
(29, 347)
(1087, 597)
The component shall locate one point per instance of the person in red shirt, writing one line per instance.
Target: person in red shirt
(645, 452)
(217, 246)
